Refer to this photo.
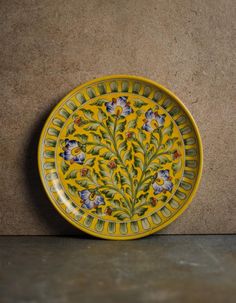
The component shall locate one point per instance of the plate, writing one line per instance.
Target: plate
(120, 157)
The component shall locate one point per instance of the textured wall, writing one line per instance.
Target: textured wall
(49, 47)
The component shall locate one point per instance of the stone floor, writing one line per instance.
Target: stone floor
(154, 269)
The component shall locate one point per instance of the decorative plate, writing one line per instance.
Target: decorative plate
(120, 157)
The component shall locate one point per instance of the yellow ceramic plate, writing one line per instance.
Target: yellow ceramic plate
(120, 157)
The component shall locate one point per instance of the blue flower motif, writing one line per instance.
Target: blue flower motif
(151, 117)
(90, 200)
(72, 152)
(162, 182)
(119, 107)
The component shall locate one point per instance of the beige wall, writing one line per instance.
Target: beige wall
(49, 47)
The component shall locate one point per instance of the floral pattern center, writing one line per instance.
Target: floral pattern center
(120, 157)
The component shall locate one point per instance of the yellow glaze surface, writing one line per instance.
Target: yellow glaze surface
(120, 157)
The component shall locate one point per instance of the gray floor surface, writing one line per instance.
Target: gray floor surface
(84, 269)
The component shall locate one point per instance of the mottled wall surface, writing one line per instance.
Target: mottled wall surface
(49, 47)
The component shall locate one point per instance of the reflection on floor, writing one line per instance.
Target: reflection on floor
(153, 269)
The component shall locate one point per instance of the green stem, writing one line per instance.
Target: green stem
(91, 179)
(147, 163)
(98, 186)
(140, 144)
(112, 137)
(102, 145)
(147, 179)
(114, 129)
(118, 191)
(124, 210)
(129, 204)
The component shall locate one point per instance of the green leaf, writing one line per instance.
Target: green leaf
(101, 115)
(141, 210)
(70, 129)
(82, 138)
(99, 211)
(119, 137)
(150, 152)
(137, 148)
(95, 150)
(122, 146)
(148, 173)
(133, 171)
(143, 197)
(128, 191)
(103, 173)
(101, 161)
(142, 136)
(176, 167)
(164, 198)
(107, 155)
(137, 162)
(96, 137)
(115, 203)
(123, 179)
(109, 122)
(99, 102)
(72, 189)
(108, 142)
(87, 113)
(109, 193)
(90, 162)
(83, 147)
(154, 166)
(154, 140)
(64, 166)
(92, 126)
(83, 183)
(95, 176)
(139, 103)
(128, 155)
(132, 123)
(104, 134)
(121, 216)
(163, 159)
(170, 142)
(139, 112)
(145, 187)
(116, 179)
(168, 130)
(72, 174)
(121, 126)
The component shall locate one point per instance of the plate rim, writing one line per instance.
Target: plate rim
(198, 136)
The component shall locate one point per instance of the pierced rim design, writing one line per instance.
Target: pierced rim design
(78, 166)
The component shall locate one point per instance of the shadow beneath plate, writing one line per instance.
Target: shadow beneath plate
(54, 223)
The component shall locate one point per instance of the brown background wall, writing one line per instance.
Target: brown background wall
(49, 47)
